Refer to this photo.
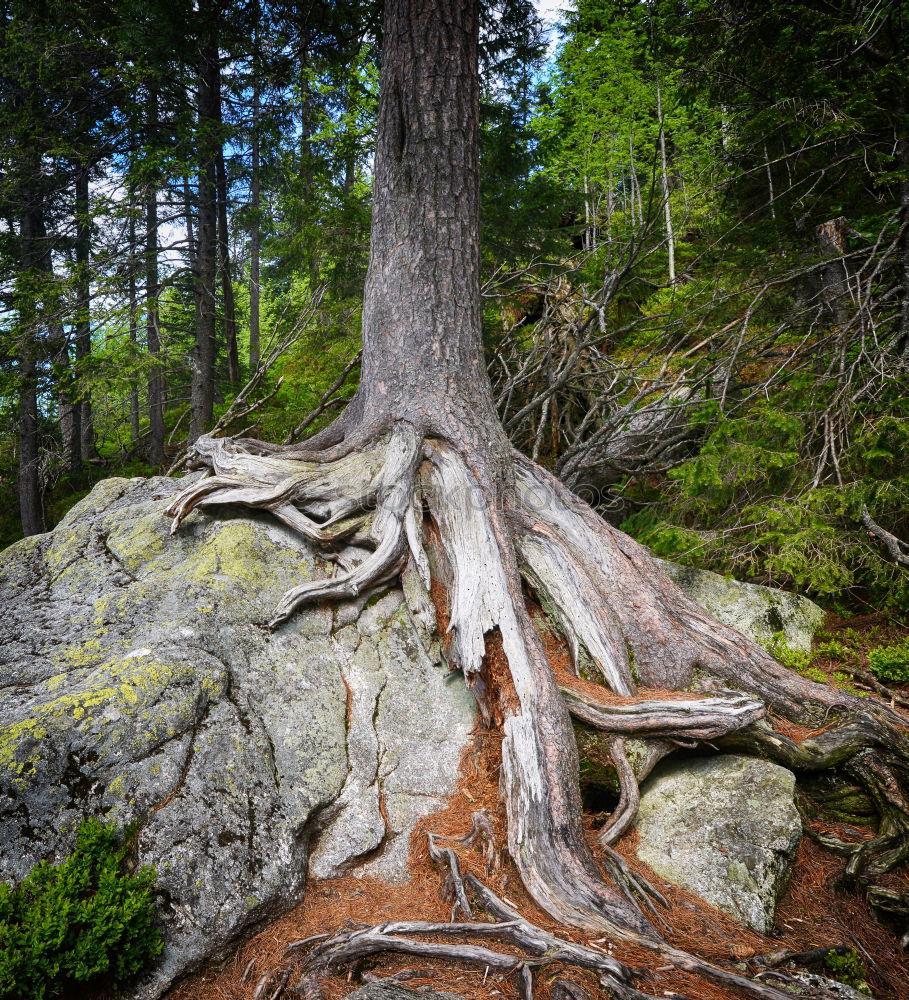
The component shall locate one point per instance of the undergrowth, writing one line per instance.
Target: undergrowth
(84, 921)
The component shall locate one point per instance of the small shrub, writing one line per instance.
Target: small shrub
(843, 681)
(794, 659)
(847, 968)
(890, 663)
(84, 920)
(834, 649)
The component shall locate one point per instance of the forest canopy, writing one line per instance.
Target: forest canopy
(695, 258)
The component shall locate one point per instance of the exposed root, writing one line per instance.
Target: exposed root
(535, 946)
(630, 798)
(376, 487)
(695, 719)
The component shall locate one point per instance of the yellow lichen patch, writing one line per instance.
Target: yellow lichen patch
(101, 606)
(118, 785)
(10, 738)
(65, 547)
(142, 542)
(127, 685)
(234, 554)
(82, 654)
(129, 693)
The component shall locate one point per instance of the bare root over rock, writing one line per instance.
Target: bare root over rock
(433, 508)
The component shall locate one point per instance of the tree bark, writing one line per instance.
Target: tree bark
(421, 306)
(255, 206)
(83, 337)
(205, 274)
(227, 287)
(155, 448)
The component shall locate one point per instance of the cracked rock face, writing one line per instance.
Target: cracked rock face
(140, 686)
(726, 828)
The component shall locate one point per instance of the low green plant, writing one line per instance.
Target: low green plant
(890, 663)
(85, 920)
(843, 681)
(794, 659)
(847, 968)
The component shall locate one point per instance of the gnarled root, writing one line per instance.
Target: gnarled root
(436, 508)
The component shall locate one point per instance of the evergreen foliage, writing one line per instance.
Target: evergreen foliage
(697, 208)
(83, 921)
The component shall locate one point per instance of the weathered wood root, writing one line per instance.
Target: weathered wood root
(378, 486)
(861, 745)
(536, 946)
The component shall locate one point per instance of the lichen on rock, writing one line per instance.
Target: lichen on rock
(724, 827)
(141, 686)
(759, 613)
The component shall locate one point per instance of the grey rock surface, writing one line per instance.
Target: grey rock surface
(814, 987)
(139, 685)
(757, 612)
(385, 990)
(724, 827)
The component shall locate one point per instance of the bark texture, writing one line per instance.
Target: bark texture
(205, 269)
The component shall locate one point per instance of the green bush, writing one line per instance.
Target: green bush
(890, 663)
(847, 968)
(86, 920)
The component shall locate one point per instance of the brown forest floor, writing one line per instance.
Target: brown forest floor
(813, 913)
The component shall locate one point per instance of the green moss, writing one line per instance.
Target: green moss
(848, 968)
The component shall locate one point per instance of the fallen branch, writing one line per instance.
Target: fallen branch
(894, 546)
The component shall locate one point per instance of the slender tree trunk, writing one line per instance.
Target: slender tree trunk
(204, 350)
(189, 222)
(70, 409)
(83, 339)
(664, 185)
(31, 507)
(256, 223)
(227, 287)
(772, 200)
(155, 449)
(903, 340)
(133, 328)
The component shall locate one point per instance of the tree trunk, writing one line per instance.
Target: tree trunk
(83, 338)
(419, 470)
(155, 449)
(421, 305)
(256, 222)
(204, 350)
(31, 507)
(664, 185)
(133, 328)
(227, 287)
(903, 155)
